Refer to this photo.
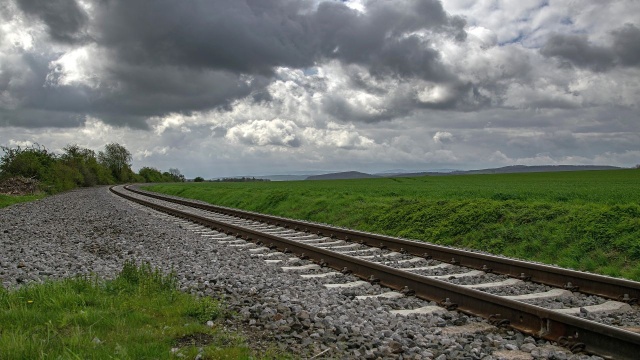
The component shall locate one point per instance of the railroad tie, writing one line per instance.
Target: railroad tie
(423, 310)
(347, 285)
(609, 306)
(386, 295)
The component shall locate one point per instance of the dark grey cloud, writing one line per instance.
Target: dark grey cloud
(183, 56)
(624, 49)
(626, 45)
(378, 39)
(239, 36)
(38, 94)
(396, 106)
(577, 50)
(398, 102)
(24, 79)
(154, 91)
(339, 107)
(65, 19)
(35, 118)
(129, 96)
(254, 36)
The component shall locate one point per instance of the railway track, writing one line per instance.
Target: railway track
(469, 282)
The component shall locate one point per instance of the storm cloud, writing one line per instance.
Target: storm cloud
(255, 36)
(626, 45)
(65, 19)
(146, 59)
(325, 83)
(624, 49)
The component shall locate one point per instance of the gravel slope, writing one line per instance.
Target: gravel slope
(92, 231)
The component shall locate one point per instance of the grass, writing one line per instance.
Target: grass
(7, 200)
(588, 220)
(138, 315)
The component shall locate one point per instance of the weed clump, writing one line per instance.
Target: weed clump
(140, 314)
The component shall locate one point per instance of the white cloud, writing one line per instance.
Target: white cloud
(481, 36)
(442, 137)
(172, 121)
(13, 35)
(356, 5)
(20, 143)
(75, 67)
(435, 94)
(337, 135)
(508, 19)
(276, 132)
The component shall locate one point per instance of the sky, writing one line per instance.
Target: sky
(262, 87)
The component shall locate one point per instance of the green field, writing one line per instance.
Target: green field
(587, 220)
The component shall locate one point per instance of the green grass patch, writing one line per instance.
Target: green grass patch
(7, 200)
(587, 220)
(138, 315)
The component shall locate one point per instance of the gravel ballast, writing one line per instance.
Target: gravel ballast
(91, 231)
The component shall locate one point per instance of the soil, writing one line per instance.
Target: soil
(18, 186)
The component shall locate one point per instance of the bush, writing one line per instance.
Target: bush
(33, 162)
(62, 177)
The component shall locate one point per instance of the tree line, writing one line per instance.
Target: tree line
(77, 167)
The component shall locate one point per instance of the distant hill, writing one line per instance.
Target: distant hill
(293, 176)
(509, 170)
(342, 176)
(283, 177)
(413, 174)
(505, 170)
(406, 173)
(319, 175)
(540, 168)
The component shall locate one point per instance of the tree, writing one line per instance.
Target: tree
(117, 159)
(154, 175)
(151, 174)
(198, 179)
(177, 176)
(85, 161)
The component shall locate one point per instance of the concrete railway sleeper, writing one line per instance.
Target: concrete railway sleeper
(469, 289)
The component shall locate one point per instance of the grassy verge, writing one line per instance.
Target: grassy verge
(584, 220)
(7, 200)
(138, 315)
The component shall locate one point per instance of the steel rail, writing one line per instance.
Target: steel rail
(604, 286)
(576, 333)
